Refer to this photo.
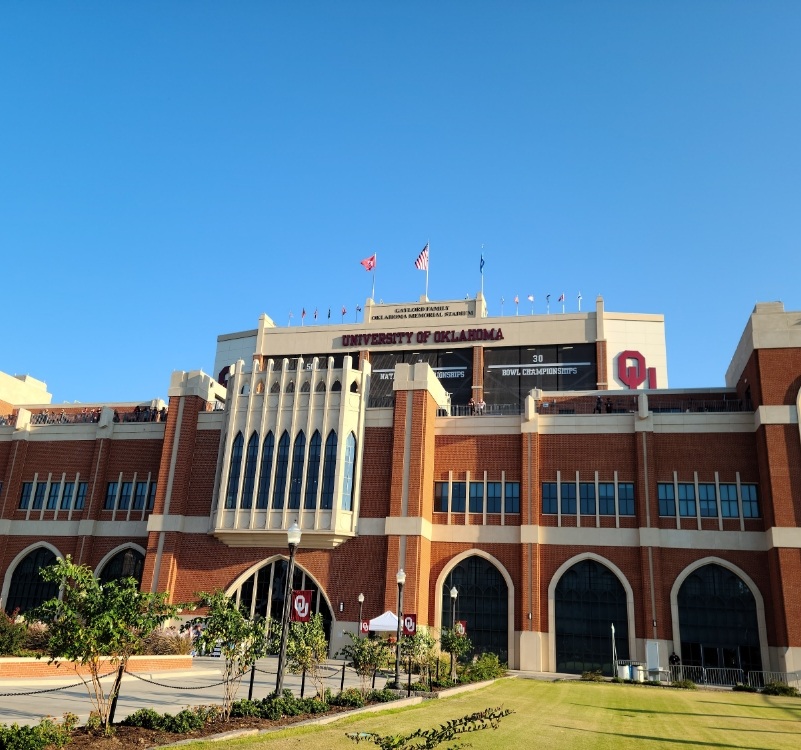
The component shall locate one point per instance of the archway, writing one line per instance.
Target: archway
(482, 602)
(718, 620)
(588, 599)
(28, 589)
(261, 591)
(125, 563)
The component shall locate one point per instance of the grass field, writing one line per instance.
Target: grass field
(576, 715)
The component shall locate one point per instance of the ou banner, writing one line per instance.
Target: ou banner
(461, 627)
(365, 626)
(410, 624)
(301, 606)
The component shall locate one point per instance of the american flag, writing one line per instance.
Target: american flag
(562, 297)
(421, 264)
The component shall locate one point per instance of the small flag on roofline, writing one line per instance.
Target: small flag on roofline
(369, 263)
(562, 297)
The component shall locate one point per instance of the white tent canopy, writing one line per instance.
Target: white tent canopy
(386, 623)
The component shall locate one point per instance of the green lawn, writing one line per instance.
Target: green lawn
(577, 715)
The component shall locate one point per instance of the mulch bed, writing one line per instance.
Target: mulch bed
(136, 738)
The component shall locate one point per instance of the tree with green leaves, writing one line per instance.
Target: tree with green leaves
(426, 739)
(99, 626)
(241, 640)
(307, 649)
(420, 649)
(456, 644)
(366, 655)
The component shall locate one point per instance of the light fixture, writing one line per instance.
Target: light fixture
(401, 579)
(293, 535)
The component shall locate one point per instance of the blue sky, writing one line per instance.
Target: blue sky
(170, 170)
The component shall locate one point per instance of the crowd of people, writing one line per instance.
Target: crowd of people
(476, 408)
(89, 415)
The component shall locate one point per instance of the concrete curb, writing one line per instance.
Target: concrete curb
(52, 682)
(331, 718)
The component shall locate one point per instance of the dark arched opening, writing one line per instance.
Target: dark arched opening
(128, 563)
(589, 600)
(28, 589)
(482, 604)
(718, 623)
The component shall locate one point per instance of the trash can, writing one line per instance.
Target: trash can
(639, 673)
(623, 671)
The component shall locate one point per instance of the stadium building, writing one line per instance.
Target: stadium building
(537, 464)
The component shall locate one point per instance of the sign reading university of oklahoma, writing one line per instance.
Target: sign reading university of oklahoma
(404, 338)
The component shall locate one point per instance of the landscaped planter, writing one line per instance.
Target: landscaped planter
(30, 668)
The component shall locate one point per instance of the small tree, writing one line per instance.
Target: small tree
(307, 649)
(98, 626)
(420, 649)
(241, 640)
(426, 739)
(457, 645)
(367, 655)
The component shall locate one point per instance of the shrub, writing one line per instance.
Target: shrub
(184, 721)
(146, 718)
(618, 680)
(740, 688)
(592, 676)
(12, 634)
(485, 667)
(780, 688)
(383, 696)
(351, 698)
(683, 684)
(48, 733)
(245, 707)
(36, 637)
(167, 642)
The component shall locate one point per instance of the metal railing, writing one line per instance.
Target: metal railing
(711, 676)
(490, 410)
(760, 679)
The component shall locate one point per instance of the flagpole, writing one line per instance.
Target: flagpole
(428, 263)
(579, 302)
(482, 270)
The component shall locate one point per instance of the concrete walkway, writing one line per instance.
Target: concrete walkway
(27, 701)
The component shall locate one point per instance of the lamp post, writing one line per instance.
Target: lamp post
(361, 603)
(293, 539)
(454, 594)
(401, 579)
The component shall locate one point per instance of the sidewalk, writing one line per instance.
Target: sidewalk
(27, 701)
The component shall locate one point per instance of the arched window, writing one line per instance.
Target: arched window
(290, 387)
(249, 481)
(329, 471)
(354, 388)
(265, 471)
(260, 387)
(320, 387)
(347, 472)
(127, 563)
(589, 599)
(306, 387)
(234, 471)
(296, 480)
(281, 466)
(28, 589)
(275, 387)
(718, 621)
(263, 593)
(313, 471)
(337, 386)
(482, 602)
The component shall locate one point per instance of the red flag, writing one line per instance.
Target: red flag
(421, 264)
(343, 309)
(369, 263)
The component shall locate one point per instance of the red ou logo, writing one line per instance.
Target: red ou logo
(632, 372)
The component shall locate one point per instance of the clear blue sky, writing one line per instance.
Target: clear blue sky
(170, 170)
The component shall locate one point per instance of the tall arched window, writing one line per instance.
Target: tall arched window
(347, 472)
(28, 589)
(589, 600)
(296, 479)
(313, 471)
(482, 602)
(320, 387)
(718, 620)
(265, 471)
(329, 471)
(234, 471)
(337, 386)
(263, 593)
(249, 481)
(127, 563)
(281, 467)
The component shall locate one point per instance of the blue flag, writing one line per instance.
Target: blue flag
(481, 265)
